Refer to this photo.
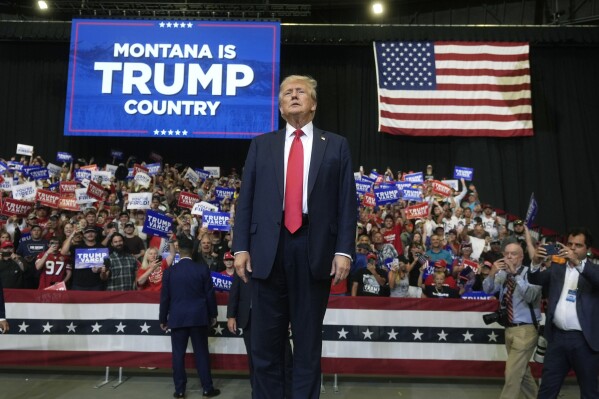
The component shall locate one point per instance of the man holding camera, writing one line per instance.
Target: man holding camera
(519, 313)
(571, 329)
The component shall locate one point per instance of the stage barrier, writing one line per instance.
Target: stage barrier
(384, 336)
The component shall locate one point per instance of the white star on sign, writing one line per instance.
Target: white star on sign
(442, 335)
(184, 132)
(492, 336)
(47, 327)
(170, 132)
(168, 24)
(218, 330)
(367, 333)
(120, 327)
(417, 335)
(23, 327)
(467, 336)
(145, 328)
(163, 132)
(189, 24)
(392, 335)
(342, 333)
(161, 24)
(96, 327)
(71, 327)
(176, 25)
(156, 132)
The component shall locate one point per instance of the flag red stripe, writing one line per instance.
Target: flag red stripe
(455, 101)
(456, 117)
(458, 132)
(482, 72)
(478, 44)
(482, 87)
(481, 57)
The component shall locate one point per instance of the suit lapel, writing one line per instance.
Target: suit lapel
(319, 144)
(278, 153)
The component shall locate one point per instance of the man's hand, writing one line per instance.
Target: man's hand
(340, 268)
(242, 265)
(232, 325)
(164, 327)
(4, 326)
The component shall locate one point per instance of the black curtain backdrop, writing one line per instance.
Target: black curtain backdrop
(556, 164)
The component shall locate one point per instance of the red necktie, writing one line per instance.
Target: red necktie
(509, 293)
(294, 184)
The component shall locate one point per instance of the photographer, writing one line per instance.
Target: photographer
(572, 314)
(519, 302)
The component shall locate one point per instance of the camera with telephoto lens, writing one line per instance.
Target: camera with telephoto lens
(539, 356)
(499, 316)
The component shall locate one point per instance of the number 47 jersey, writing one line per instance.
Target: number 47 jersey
(55, 269)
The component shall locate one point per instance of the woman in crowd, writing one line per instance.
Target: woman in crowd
(152, 267)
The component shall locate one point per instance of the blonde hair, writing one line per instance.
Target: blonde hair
(145, 262)
(307, 80)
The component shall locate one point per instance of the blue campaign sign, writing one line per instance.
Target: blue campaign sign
(216, 220)
(221, 282)
(531, 213)
(401, 185)
(14, 165)
(203, 174)
(117, 154)
(386, 194)
(173, 79)
(417, 177)
(363, 186)
(461, 172)
(157, 224)
(64, 157)
(224, 192)
(411, 194)
(82, 174)
(153, 168)
(90, 257)
(479, 295)
(39, 174)
(3, 167)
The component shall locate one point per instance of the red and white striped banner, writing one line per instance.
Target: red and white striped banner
(433, 337)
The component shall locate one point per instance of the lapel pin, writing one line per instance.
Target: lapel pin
(322, 138)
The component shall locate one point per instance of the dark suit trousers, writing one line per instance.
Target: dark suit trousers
(569, 350)
(289, 294)
(199, 341)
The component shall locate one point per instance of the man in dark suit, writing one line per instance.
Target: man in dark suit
(3, 323)
(572, 327)
(295, 223)
(188, 308)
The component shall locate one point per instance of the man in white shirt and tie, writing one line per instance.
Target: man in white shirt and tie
(295, 223)
(572, 327)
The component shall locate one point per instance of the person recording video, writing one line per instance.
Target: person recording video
(519, 313)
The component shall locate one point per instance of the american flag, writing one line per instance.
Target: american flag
(454, 89)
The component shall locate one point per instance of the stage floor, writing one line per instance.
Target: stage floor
(69, 383)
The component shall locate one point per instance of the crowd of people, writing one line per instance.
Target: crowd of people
(446, 254)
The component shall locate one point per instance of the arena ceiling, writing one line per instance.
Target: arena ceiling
(403, 12)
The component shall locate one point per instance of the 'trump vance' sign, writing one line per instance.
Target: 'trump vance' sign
(181, 79)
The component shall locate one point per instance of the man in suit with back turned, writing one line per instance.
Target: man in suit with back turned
(294, 230)
(572, 327)
(188, 308)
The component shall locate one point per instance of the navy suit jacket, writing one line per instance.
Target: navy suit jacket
(187, 297)
(331, 202)
(587, 298)
(240, 300)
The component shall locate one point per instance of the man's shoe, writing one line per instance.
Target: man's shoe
(212, 393)
(179, 395)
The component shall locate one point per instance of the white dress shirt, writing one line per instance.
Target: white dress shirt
(565, 317)
(306, 139)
